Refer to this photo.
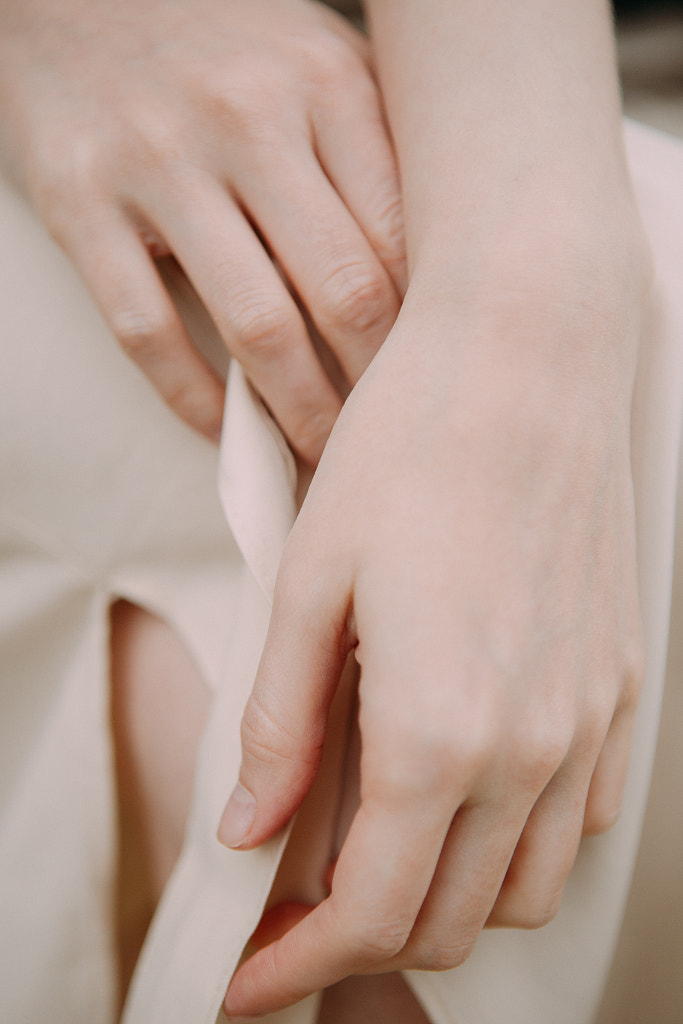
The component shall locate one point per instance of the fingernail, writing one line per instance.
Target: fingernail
(238, 817)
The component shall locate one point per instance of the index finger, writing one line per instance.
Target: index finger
(381, 879)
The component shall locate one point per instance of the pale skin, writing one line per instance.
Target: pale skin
(500, 653)
(225, 134)
(487, 442)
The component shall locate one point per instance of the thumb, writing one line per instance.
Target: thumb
(285, 720)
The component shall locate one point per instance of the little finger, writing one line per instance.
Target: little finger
(122, 278)
(532, 890)
(606, 790)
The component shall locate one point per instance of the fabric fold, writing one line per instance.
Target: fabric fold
(214, 891)
(256, 480)
(216, 896)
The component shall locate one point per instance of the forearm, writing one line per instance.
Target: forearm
(506, 119)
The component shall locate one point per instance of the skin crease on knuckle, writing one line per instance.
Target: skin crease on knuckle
(633, 675)
(531, 913)
(267, 740)
(440, 956)
(262, 328)
(189, 402)
(140, 333)
(368, 941)
(248, 105)
(540, 750)
(355, 298)
(601, 819)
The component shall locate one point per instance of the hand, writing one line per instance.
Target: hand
(246, 138)
(470, 532)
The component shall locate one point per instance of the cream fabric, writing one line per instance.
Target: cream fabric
(105, 494)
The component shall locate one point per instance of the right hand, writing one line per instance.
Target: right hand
(470, 532)
(247, 139)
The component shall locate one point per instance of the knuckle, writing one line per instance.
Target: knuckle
(370, 941)
(396, 780)
(442, 956)
(462, 756)
(247, 100)
(542, 749)
(330, 62)
(478, 746)
(140, 333)
(154, 137)
(266, 738)
(261, 328)
(600, 819)
(537, 914)
(430, 756)
(633, 675)
(192, 402)
(407, 770)
(593, 725)
(378, 942)
(357, 298)
(309, 434)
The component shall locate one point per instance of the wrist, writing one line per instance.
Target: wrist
(553, 255)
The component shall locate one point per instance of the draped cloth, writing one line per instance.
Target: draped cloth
(105, 494)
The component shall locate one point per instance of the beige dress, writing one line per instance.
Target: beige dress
(105, 494)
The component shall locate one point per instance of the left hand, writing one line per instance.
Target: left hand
(246, 138)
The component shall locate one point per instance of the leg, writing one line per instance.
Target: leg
(159, 704)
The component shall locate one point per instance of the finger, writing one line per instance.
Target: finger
(383, 873)
(285, 719)
(471, 870)
(532, 890)
(325, 255)
(123, 280)
(357, 156)
(606, 791)
(256, 316)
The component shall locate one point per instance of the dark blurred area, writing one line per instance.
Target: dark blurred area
(650, 50)
(626, 8)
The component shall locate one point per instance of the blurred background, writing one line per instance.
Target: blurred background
(650, 39)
